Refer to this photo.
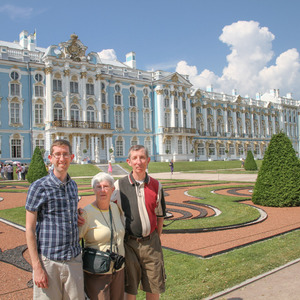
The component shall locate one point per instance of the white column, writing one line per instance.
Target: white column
(83, 93)
(93, 148)
(67, 87)
(74, 147)
(225, 121)
(49, 101)
(160, 106)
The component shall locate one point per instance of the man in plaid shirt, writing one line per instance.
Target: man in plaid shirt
(52, 231)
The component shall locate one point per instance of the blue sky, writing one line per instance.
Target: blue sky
(252, 46)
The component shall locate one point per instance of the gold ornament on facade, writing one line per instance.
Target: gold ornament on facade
(159, 92)
(99, 77)
(48, 70)
(174, 78)
(67, 72)
(83, 74)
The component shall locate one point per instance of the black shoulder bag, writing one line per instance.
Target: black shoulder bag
(96, 261)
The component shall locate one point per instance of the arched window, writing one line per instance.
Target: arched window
(200, 149)
(211, 149)
(74, 113)
(220, 126)
(57, 112)
(210, 125)
(221, 149)
(90, 114)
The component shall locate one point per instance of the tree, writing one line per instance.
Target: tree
(250, 164)
(278, 180)
(37, 168)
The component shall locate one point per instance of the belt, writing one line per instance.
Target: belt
(140, 239)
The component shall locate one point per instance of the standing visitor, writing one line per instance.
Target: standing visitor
(18, 171)
(52, 231)
(142, 201)
(171, 165)
(2, 171)
(103, 220)
(109, 170)
(10, 172)
(23, 170)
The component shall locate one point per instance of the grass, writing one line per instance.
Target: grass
(195, 166)
(83, 170)
(190, 277)
(233, 212)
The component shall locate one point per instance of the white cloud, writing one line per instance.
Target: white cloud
(16, 12)
(108, 54)
(247, 67)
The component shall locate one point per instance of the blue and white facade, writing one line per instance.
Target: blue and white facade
(98, 105)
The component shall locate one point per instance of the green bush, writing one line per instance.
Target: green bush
(278, 180)
(37, 168)
(250, 164)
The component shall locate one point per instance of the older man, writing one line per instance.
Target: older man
(142, 200)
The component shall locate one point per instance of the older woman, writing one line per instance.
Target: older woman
(96, 232)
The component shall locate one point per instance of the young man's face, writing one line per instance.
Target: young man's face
(61, 158)
(138, 161)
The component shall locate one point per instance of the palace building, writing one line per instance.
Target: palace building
(104, 107)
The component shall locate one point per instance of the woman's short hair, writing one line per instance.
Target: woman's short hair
(102, 176)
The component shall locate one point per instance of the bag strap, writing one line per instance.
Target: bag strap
(111, 235)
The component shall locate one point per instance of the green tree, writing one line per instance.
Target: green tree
(250, 164)
(278, 180)
(37, 168)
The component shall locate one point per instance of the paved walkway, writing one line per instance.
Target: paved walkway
(281, 283)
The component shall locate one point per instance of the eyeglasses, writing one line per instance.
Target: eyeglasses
(104, 188)
(64, 155)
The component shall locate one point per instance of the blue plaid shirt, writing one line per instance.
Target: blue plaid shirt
(56, 206)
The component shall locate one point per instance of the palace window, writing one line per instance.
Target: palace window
(118, 119)
(119, 148)
(74, 113)
(16, 148)
(200, 149)
(168, 146)
(148, 145)
(212, 149)
(39, 91)
(57, 112)
(40, 144)
(118, 100)
(90, 89)
(146, 102)
(147, 125)
(104, 115)
(133, 120)
(132, 101)
(90, 114)
(103, 97)
(15, 89)
(167, 120)
(74, 87)
(179, 146)
(14, 113)
(39, 113)
(57, 85)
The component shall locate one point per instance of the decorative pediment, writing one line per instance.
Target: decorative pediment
(175, 78)
(74, 49)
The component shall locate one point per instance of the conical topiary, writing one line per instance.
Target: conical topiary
(278, 180)
(250, 164)
(37, 168)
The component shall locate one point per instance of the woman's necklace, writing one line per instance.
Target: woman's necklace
(105, 219)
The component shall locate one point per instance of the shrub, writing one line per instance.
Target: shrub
(250, 164)
(37, 168)
(278, 180)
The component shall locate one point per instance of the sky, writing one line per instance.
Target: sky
(249, 45)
